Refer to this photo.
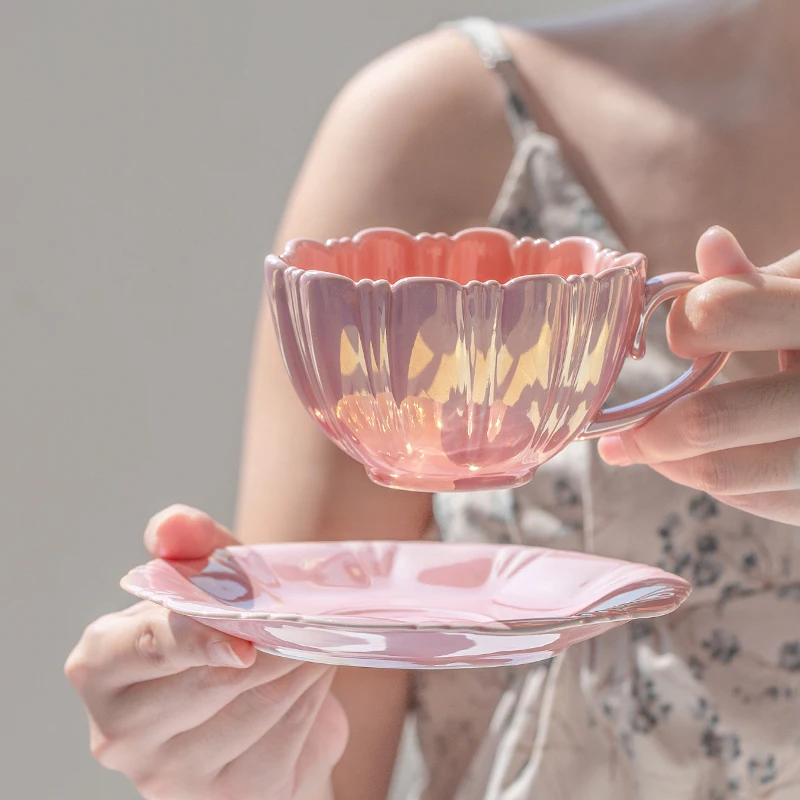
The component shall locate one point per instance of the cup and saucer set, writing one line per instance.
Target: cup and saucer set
(444, 364)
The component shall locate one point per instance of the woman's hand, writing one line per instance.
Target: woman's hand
(188, 712)
(739, 442)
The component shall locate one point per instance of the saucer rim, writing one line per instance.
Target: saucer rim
(136, 582)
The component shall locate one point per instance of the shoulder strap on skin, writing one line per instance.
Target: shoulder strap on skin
(488, 41)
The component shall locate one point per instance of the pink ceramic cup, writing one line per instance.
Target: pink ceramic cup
(462, 363)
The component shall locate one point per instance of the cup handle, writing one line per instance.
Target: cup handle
(699, 375)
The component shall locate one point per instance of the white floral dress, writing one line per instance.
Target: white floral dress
(703, 704)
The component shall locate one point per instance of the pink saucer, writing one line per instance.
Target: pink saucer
(421, 605)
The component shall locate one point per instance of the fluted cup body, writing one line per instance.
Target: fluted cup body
(445, 363)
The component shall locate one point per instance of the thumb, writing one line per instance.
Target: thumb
(181, 532)
(718, 254)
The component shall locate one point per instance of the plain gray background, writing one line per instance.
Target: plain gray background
(146, 149)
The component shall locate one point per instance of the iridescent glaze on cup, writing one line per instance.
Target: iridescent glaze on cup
(462, 363)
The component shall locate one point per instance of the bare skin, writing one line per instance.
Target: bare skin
(676, 116)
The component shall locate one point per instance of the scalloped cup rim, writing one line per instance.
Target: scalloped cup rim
(136, 582)
(633, 261)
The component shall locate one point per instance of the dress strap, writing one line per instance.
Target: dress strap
(487, 39)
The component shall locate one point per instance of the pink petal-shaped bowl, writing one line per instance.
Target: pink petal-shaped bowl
(444, 363)
(419, 605)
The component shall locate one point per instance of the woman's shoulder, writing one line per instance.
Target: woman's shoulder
(430, 118)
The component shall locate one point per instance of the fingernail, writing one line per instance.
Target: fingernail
(223, 655)
(612, 451)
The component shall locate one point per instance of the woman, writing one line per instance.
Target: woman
(641, 128)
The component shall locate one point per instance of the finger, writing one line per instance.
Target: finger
(323, 748)
(716, 418)
(165, 707)
(789, 360)
(737, 313)
(181, 532)
(777, 506)
(279, 749)
(119, 650)
(718, 253)
(244, 721)
(745, 470)
(788, 267)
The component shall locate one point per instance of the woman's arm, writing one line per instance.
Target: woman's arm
(417, 141)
